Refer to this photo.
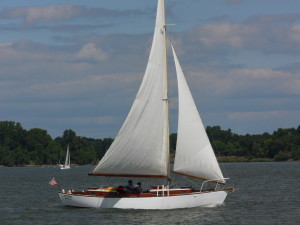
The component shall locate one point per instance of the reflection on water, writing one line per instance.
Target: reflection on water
(267, 193)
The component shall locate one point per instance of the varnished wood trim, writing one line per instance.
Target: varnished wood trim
(126, 175)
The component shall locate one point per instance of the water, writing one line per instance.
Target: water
(267, 193)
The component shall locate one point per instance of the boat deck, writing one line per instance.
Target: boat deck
(121, 193)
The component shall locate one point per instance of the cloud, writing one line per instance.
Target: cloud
(294, 34)
(6, 44)
(232, 35)
(33, 15)
(41, 83)
(46, 14)
(51, 70)
(247, 83)
(74, 27)
(269, 120)
(271, 38)
(273, 19)
(91, 53)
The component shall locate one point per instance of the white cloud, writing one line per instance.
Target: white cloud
(6, 44)
(90, 52)
(259, 74)
(32, 15)
(36, 14)
(264, 38)
(294, 34)
(248, 84)
(267, 81)
(214, 35)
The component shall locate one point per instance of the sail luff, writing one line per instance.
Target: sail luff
(194, 154)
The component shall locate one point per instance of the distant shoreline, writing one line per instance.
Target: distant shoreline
(221, 159)
(45, 165)
(224, 159)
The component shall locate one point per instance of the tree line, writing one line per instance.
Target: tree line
(20, 147)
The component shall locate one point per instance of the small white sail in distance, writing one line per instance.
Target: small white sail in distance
(194, 154)
(68, 161)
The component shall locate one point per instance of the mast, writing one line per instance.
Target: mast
(166, 92)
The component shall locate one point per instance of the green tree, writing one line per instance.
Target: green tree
(101, 146)
(37, 143)
(21, 147)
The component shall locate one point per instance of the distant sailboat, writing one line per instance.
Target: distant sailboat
(67, 164)
(141, 148)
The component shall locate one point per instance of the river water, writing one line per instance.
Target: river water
(267, 193)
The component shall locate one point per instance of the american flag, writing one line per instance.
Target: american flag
(53, 182)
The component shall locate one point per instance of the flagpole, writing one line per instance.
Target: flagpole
(58, 185)
(53, 182)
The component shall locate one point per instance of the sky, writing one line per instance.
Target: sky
(78, 64)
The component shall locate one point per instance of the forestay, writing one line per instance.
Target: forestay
(140, 148)
(194, 154)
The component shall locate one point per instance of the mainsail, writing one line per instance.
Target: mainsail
(141, 147)
(194, 154)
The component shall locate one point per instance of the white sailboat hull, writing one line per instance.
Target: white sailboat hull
(160, 202)
(65, 167)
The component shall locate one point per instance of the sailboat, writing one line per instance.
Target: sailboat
(67, 161)
(141, 147)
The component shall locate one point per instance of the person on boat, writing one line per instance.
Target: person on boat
(138, 188)
(130, 187)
